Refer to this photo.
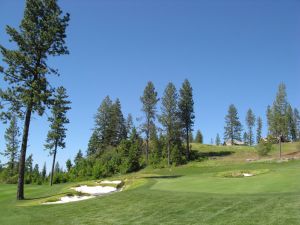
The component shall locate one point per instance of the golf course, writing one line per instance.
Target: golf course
(149, 112)
(196, 193)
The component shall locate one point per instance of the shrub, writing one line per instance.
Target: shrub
(98, 170)
(273, 140)
(12, 179)
(263, 148)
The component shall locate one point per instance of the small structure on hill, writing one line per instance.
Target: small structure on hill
(235, 142)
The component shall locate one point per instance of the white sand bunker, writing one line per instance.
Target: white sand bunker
(68, 199)
(111, 182)
(248, 175)
(92, 191)
(96, 190)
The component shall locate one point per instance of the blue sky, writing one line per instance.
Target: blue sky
(232, 51)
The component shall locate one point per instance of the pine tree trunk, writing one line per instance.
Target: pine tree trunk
(147, 141)
(53, 164)
(20, 191)
(250, 137)
(168, 147)
(280, 146)
(187, 144)
(147, 149)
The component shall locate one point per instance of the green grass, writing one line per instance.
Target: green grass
(191, 194)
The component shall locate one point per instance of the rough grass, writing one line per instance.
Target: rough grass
(240, 173)
(191, 194)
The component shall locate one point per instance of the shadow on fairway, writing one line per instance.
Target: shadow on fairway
(199, 156)
(47, 196)
(215, 154)
(163, 177)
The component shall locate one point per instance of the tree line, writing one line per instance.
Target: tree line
(118, 146)
(283, 123)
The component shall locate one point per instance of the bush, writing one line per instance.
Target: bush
(98, 170)
(263, 148)
(12, 179)
(273, 140)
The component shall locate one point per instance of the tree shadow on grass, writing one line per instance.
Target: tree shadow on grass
(216, 154)
(163, 177)
(199, 156)
(46, 196)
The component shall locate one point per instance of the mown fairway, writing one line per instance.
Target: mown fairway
(191, 194)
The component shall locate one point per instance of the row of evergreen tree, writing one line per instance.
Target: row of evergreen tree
(176, 119)
(118, 146)
(283, 122)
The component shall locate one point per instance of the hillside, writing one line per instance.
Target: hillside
(197, 193)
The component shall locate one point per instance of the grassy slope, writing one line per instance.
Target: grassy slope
(191, 194)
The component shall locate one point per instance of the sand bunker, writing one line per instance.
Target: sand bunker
(96, 190)
(92, 191)
(248, 175)
(68, 199)
(111, 182)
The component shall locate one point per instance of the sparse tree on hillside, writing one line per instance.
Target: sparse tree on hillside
(277, 114)
(169, 116)
(199, 137)
(11, 137)
(292, 124)
(259, 130)
(186, 112)
(218, 140)
(250, 121)
(233, 126)
(297, 120)
(149, 101)
(57, 133)
(41, 34)
(246, 138)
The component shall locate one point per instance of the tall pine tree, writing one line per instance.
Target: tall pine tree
(186, 112)
(57, 133)
(169, 116)
(149, 101)
(41, 34)
(277, 114)
(259, 130)
(233, 126)
(250, 121)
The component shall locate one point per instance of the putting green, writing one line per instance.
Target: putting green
(283, 178)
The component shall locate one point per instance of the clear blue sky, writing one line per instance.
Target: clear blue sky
(232, 51)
